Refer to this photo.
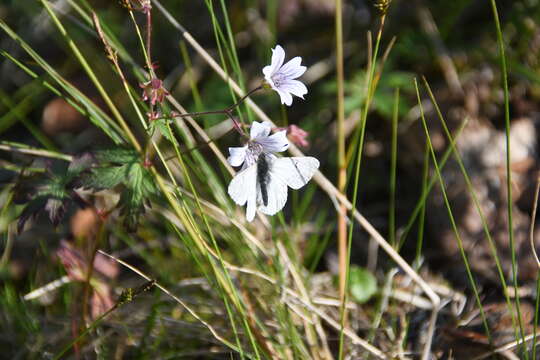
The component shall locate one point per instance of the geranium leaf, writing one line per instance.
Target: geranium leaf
(124, 167)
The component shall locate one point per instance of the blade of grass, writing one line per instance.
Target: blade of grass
(18, 112)
(510, 202)
(426, 191)
(225, 44)
(361, 129)
(451, 217)
(422, 218)
(393, 166)
(96, 115)
(220, 258)
(342, 166)
(533, 250)
(472, 193)
(536, 315)
(175, 298)
(189, 69)
(88, 69)
(25, 149)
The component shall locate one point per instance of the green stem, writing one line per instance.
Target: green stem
(393, 165)
(361, 129)
(510, 203)
(451, 217)
(92, 76)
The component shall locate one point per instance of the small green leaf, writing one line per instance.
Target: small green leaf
(362, 284)
(51, 191)
(106, 177)
(117, 155)
(126, 167)
(79, 164)
(165, 130)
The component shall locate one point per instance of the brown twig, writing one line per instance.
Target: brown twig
(174, 297)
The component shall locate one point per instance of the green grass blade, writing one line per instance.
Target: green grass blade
(452, 220)
(510, 204)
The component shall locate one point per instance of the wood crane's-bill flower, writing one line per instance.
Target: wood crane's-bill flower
(263, 182)
(260, 142)
(281, 77)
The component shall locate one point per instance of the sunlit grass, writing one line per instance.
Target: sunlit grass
(258, 293)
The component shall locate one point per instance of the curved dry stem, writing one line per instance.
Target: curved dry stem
(174, 297)
(533, 218)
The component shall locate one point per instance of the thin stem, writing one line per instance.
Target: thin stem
(504, 72)
(90, 271)
(175, 298)
(451, 216)
(393, 165)
(533, 249)
(149, 40)
(342, 165)
(86, 331)
(533, 219)
(226, 111)
(536, 309)
(89, 71)
(127, 295)
(361, 128)
(198, 146)
(422, 218)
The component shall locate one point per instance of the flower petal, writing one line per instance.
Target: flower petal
(277, 142)
(278, 56)
(292, 69)
(285, 97)
(237, 155)
(250, 208)
(259, 130)
(267, 71)
(294, 87)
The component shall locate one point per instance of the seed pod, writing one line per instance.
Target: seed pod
(382, 6)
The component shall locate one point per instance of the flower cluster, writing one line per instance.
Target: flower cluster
(154, 91)
(263, 180)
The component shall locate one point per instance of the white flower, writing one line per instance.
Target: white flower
(260, 142)
(263, 183)
(281, 77)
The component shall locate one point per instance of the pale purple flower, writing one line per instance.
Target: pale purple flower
(281, 77)
(260, 142)
(263, 182)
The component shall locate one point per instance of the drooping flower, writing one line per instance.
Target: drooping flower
(154, 91)
(260, 142)
(281, 77)
(77, 269)
(144, 6)
(297, 135)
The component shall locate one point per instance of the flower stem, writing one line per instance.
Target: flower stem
(342, 166)
(226, 111)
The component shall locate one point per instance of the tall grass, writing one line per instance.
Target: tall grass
(258, 293)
